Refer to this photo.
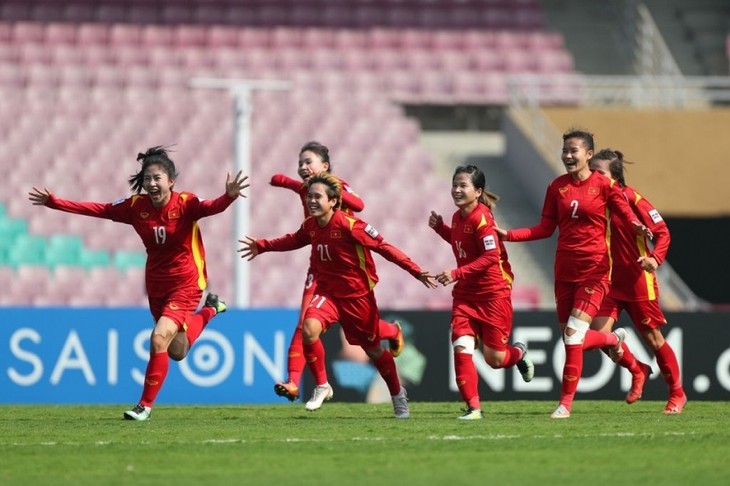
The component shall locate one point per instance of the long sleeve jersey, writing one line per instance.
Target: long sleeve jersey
(341, 253)
(483, 270)
(171, 235)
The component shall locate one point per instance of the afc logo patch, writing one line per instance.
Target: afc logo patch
(655, 216)
(489, 242)
(372, 232)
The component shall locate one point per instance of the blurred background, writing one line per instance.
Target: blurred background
(401, 91)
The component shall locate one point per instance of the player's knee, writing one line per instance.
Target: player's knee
(464, 344)
(575, 331)
(311, 329)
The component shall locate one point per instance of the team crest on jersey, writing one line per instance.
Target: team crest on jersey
(593, 191)
(144, 215)
(335, 234)
(655, 216)
(371, 231)
(468, 229)
(489, 242)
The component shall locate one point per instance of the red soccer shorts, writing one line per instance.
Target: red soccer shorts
(359, 317)
(489, 319)
(585, 296)
(179, 305)
(645, 314)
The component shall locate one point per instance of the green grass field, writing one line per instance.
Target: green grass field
(604, 442)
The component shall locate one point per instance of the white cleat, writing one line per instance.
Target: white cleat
(320, 394)
(527, 369)
(400, 404)
(561, 412)
(139, 412)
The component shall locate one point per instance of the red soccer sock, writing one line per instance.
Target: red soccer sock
(387, 330)
(314, 355)
(571, 373)
(668, 365)
(466, 379)
(596, 339)
(154, 377)
(197, 322)
(511, 357)
(629, 361)
(386, 367)
(296, 359)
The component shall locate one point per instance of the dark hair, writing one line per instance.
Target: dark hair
(334, 186)
(584, 135)
(616, 164)
(319, 149)
(153, 156)
(480, 181)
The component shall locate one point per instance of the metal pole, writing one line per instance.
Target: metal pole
(241, 89)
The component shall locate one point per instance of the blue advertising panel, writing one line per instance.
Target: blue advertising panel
(63, 355)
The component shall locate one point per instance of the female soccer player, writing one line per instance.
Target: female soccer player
(577, 203)
(634, 286)
(342, 261)
(175, 273)
(313, 159)
(482, 307)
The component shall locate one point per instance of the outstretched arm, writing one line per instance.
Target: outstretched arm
(46, 198)
(281, 180)
(234, 188)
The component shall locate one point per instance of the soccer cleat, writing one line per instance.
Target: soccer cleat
(616, 351)
(213, 301)
(472, 414)
(320, 394)
(139, 412)
(527, 369)
(398, 343)
(561, 412)
(400, 404)
(676, 404)
(637, 383)
(288, 390)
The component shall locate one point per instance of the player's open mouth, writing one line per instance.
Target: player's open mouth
(572, 163)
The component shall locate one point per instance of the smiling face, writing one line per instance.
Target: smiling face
(158, 185)
(319, 204)
(575, 158)
(463, 192)
(311, 164)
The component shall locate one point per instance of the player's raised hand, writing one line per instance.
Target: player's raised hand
(435, 220)
(249, 249)
(38, 197)
(235, 187)
(426, 279)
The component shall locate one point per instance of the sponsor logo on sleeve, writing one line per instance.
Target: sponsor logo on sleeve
(371, 231)
(655, 216)
(489, 242)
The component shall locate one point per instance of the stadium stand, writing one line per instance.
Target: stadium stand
(90, 84)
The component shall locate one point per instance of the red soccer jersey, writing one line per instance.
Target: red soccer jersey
(629, 281)
(483, 270)
(581, 211)
(171, 236)
(341, 257)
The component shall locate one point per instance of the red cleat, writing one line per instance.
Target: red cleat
(289, 390)
(637, 383)
(398, 343)
(676, 404)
